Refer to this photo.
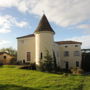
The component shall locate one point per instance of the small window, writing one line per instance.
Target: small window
(77, 64)
(76, 53)
(41, 56)
(76, 45)
(4, 57)
(66, 46)
(66, 53)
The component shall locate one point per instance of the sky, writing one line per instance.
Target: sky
(70, 19)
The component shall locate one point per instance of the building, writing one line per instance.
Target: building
(5, 58)
(32, 48)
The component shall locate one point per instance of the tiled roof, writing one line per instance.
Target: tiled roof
(68, 42)
(30, 35)
(44, 25)
(4, 53)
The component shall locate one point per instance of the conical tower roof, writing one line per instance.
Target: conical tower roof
(44, 25)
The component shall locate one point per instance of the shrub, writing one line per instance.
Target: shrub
(48, 62)
(41, 66)
(13, 61)
(77, 71)
(1, 63)
(19, 63)
(32, 66)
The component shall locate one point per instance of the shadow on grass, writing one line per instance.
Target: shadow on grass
(15, 87)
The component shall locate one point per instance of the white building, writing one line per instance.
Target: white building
(32, 48)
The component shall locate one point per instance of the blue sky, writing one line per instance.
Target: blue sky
(70, 19)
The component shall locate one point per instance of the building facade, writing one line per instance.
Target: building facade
(32, 48)
(5, 58)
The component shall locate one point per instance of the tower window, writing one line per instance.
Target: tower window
(41, 55)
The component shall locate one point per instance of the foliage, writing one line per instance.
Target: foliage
(55, 63)
(77, 70)
(19, 63)
(13, 61)
(9, 50)
(48, 62)
(19, 79)
(31, 66)
(1, 63)
(41, 66)
(86, 61)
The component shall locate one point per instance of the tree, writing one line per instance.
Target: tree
(9, 50)
(48, 62)
(55, 63)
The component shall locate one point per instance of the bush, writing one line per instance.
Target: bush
(77, 71)
(19, 63)
(1, 64)
(13, 61)
(32, 66)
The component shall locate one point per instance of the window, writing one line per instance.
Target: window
(76, 45)
(77, 64)
(66, 53)
(66, 46)
(41, 56)
(28, 56)
(76, 53)
(4, 57)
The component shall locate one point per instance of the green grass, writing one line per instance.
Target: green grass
(12, 78)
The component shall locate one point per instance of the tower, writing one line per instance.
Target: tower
(43, 39)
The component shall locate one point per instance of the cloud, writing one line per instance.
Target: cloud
(2, 42)
(7, 22)
(84, 26)
(21, 24)
(61, 12)
(4, 30)
(84, 39)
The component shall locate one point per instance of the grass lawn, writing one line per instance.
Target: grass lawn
(12, 78)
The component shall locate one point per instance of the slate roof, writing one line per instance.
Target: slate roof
(68, 42)
(44, 25)
(30, 35)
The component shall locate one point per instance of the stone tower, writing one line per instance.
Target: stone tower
(43, 39)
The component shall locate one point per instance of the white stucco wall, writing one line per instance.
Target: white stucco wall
(44, 41)
(26, 45)
(71, 58)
